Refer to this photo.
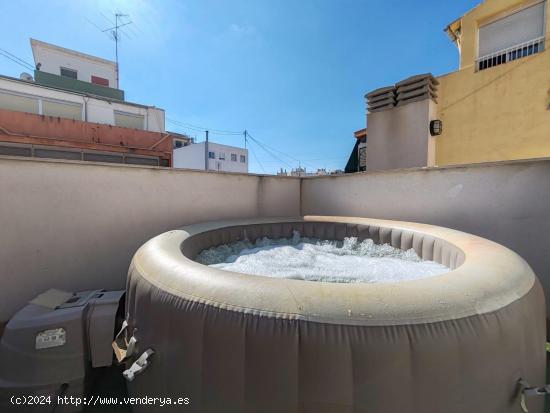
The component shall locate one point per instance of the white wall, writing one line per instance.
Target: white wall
(189, 157)
(192, 157)
(52, 58)
(75, 226)
(506, 202)
(98, 110)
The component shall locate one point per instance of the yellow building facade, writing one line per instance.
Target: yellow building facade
(497, 106)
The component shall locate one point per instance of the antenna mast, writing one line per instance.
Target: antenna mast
(114, 33)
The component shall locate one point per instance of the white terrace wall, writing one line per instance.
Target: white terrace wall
(506, 202)
(76, 226)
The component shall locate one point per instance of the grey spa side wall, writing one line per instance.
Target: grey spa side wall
(75, 226)
(507, 202)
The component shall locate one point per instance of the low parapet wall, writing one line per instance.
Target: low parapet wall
(75, 226)
(506, 202)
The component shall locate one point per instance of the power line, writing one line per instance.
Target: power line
(203, 129)
(16, 59)
(95, 25)
(272, 152)
(257, 160)
(275, 150)
(325, 159)
(269, 152)
(107, 18)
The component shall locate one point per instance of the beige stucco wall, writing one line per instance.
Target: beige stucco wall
(496, 114)
(76, 226)
(487, 11)
(505, 202)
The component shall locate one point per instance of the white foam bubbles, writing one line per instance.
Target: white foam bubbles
(319, 260)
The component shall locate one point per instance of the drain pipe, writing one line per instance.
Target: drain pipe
(206, 153)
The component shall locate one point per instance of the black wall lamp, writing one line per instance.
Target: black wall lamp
(436, 127)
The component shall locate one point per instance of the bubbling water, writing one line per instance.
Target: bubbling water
(311, 259)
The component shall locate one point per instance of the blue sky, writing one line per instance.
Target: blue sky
(293, 73)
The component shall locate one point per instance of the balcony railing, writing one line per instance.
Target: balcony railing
(510, 54)
(62, 82)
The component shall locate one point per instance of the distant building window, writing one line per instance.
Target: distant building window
(67, 110)
(96, 80)
(18, 103)
(222, 156)
(68, 73)
(178, 144)
(243, 158)
(234, 157)
(211, 155)
(129, 120)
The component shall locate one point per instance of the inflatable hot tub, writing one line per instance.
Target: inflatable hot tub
(230, 342)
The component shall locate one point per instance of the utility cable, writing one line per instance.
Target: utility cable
(16, 59)
(257, 160)
(202, 129)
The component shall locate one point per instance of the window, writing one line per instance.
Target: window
(243, 158)
(96, 80)
(512, 37)
(129, 120)
(211, 155)
(18, 103)
(50, 107)
(178, 143)
(68, 72)
(234, 157)
(222, 156)
(67, 110)
(362, 158)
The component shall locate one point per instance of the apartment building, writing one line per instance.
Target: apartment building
(71, 107)
(494, 107)
(214, 157)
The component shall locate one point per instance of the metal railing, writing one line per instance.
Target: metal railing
(510, 54)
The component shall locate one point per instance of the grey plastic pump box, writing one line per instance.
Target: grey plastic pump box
(49, 346)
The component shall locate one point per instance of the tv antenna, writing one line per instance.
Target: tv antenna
(115, 35)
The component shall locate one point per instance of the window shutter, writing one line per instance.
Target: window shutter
(129, 120)
(519, 27)
(66, 110)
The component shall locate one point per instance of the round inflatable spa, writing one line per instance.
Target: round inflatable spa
(455, 341)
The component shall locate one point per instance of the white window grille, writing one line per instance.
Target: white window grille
(510, 54)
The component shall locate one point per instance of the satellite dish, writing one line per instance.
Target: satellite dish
(26, 77)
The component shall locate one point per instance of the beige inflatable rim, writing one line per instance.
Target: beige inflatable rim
(489, 277)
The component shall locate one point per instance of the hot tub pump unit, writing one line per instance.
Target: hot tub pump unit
(50, 347)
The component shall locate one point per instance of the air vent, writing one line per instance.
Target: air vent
(381, 99)
(416, 88)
